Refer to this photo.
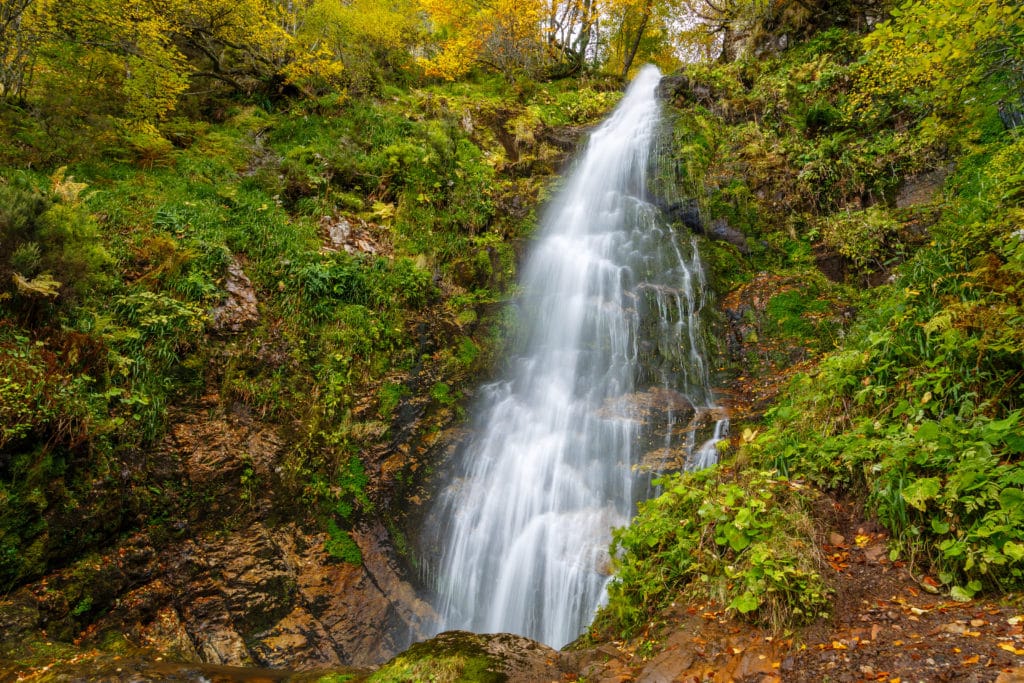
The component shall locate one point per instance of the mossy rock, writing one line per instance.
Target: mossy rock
(462, 657)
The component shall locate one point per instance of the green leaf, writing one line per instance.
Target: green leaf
(737, 539)
(745, 603)
(928, 431)
(961, 594)
(921, 491)
(1011, 499)
(1014, 551)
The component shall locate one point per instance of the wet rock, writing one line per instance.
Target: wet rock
(646, 405)
(354, 236)
(298, 641)
(369, 612)
(921, 188)
(676, 659)
(253, 597)
(215, 449)
(257, 586)
(876, 553)
(1011, 675)
(19, 616)
(239, 310)
(565, 138)
(832, 264)
(719, 229)
(681, 89)
(686, 212)
(169, 632)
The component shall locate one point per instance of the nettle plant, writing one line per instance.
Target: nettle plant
(740, 539)
(955, 492)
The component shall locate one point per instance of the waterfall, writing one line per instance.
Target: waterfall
(609, 382)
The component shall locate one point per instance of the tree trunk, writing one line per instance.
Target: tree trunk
(627, 62)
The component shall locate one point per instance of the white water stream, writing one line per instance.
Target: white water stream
(611, 368)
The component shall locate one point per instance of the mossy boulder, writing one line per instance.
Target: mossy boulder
(459, 656)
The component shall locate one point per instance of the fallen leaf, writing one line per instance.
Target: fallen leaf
(970, 660)
(861, 540)
(1010, 648)
(836, 645)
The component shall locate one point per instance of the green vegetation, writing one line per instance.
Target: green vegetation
(838, 148)
(455, 657)
(744, 540)
(364, 230)
(294, 214)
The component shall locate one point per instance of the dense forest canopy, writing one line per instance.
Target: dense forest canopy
(138, 57)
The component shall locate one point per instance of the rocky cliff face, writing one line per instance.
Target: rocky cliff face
(239, 587)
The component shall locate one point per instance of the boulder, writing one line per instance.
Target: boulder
(463, 656)
(719, 229)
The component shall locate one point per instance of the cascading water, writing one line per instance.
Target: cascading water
(611, 366)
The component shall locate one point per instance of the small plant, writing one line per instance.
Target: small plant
(340, 545)
(248, 482)
(865, 237)
(390, 395)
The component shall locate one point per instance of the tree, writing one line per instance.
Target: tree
(367, 40)
(505, 35)
(571, 27)
(644, 31)
(19, 39)
(117, 51)
(939, 57)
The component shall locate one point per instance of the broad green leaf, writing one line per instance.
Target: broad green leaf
(961, 594)
(1011, 499)
(921, 491)
(1014, 551)
(745, 603)
(928, 431)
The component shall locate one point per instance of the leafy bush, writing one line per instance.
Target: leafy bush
(50, 246)
(744, 540)
(864, 237)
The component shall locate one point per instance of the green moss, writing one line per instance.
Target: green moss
(450, 658)
(790, 314)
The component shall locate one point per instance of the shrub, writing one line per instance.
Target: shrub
(742, 539)
(50, 246)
